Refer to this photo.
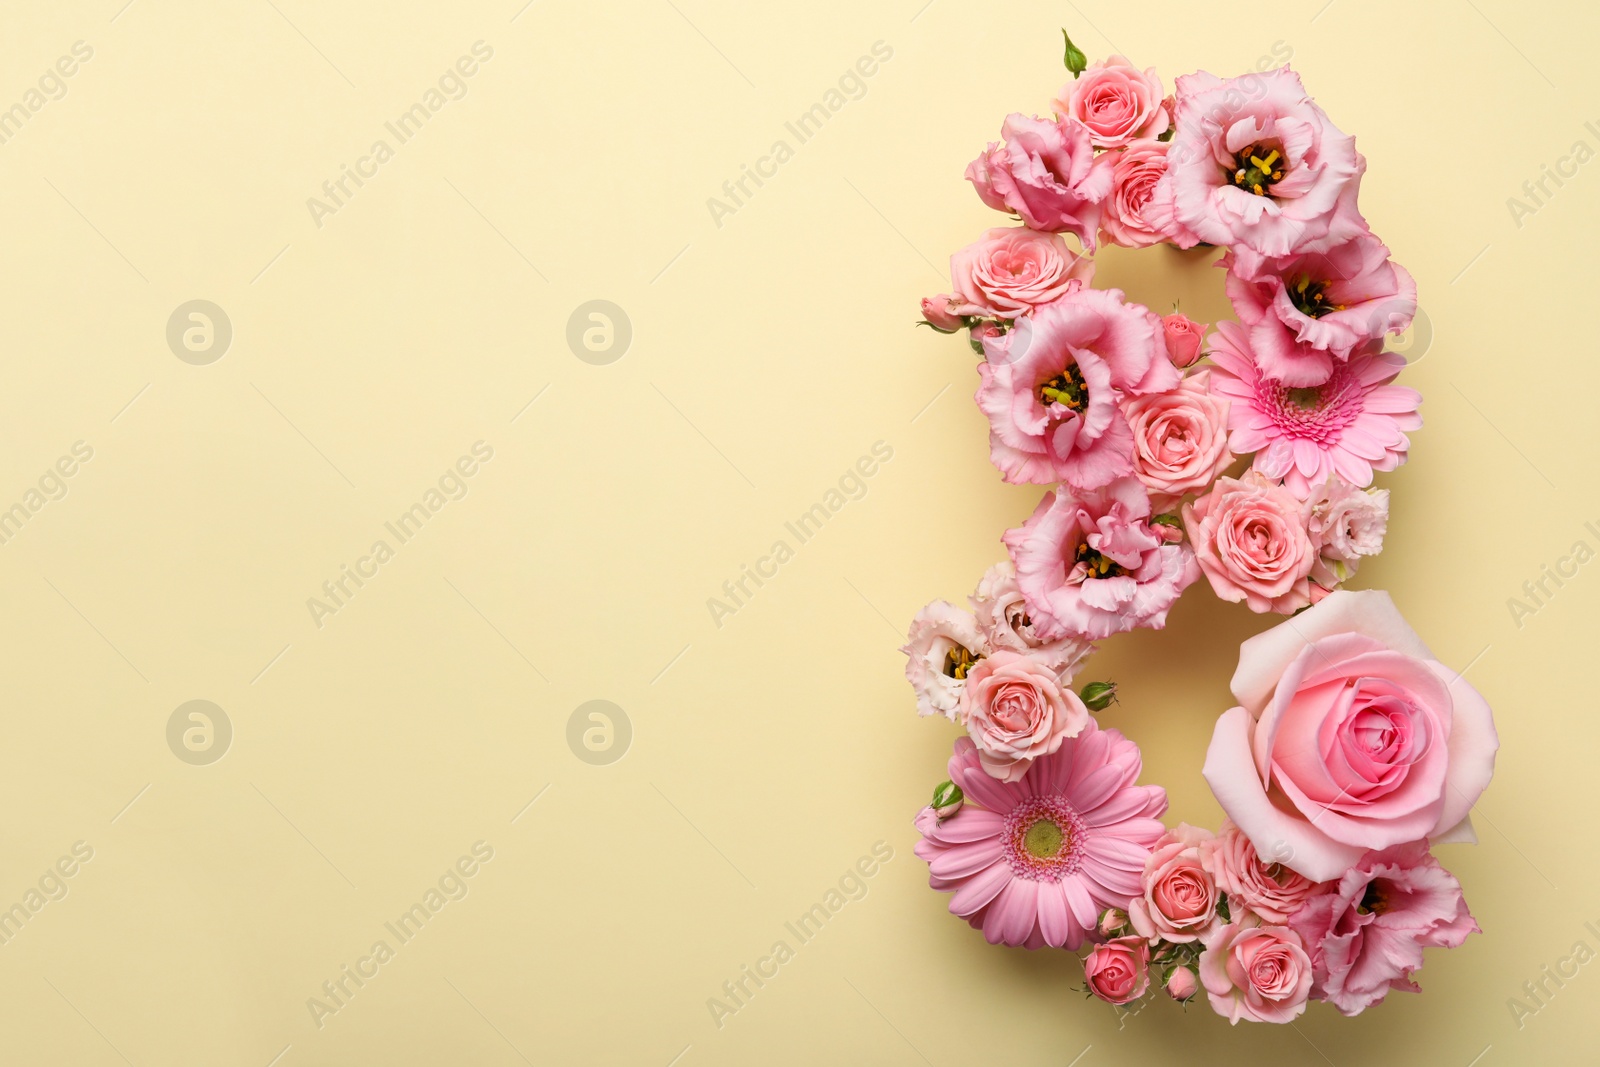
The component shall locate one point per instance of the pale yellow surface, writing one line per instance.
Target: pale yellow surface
(768, 354)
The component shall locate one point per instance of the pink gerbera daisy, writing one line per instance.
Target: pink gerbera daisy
(1035, 862)
(1351, 425)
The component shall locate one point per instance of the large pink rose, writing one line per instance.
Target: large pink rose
(1367, 936)
(1050, 388)
(1332, 301)
(1264, 887)
(1016, 711)
(1119, 970)
(1116, 101)
(1133, 182)
(1180, 439)
(1250, 539)
(1009, 271)
(1257, 973)
(1256, 163)
(1088, 562)
(1046, 172)
(1179, 899)
(1348, 736)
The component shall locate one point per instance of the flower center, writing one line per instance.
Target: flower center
(958, 661)
(1306, 398)
(1097, 566)
(1257, 168)
(1067, 389)
(1044, 839)
(1310, 298)
(1375, 901)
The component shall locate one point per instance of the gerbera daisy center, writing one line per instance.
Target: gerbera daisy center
(1043, 839)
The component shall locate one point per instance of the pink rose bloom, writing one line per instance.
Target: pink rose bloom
(1328, 302)
(1133, 183)
(1366, 937)
(1256, 163)
(1015, 712)
(1119, 970)
(1115, 102)
(1349, 736)
(1250, 539)
(1183, 336)
(1258, 973)
(1180, 439)
(1179, 900)
(944, 644)
(1050, 386)
(1010, 270)
(1033, 863)
(1345, 524)
(1002, 614)
(1088, 562)
(1268, 890)
(1046, 172)
(1351, 425)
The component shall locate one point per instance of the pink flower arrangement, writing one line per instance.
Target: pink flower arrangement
(1247, 455)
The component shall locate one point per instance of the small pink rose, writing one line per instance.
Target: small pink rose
(1268, 889)
(937, 311)
(1119, 970)
(1116, 101)
(1250, 539)
(1258, 973)
(1183, 337)
(1133, 184)
(1016, 711)
(1180, 439)
(1182, 984)
(1178, 902)
(1011, 269)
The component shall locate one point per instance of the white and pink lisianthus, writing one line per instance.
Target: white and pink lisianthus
(1256, 164)
(1090, 563)
(1352, 424)
(1050, 388)
(1035, 862)
(944, 643)
(1002, 614)
(1345, 524)
(1046, 172)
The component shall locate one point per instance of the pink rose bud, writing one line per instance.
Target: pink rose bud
(1113, 920)
(1183, 336)
(936, 310)
(1182, 984)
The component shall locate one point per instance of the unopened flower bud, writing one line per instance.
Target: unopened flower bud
(1111, 921)
(947, 799)
(1167, 527)
(1182, 984)
(936, 312)
(1098, 696)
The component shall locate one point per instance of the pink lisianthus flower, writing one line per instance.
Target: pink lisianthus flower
(1116, 102)
(1050, 386)
(1366, 937)
(945, 642)
(1133, 182)
(1046, 172)
(1009, 271)
(1345, 524)
(1089, 563)
(1309, 310)
(1257, 973)
(1035, 862)
(1348, 736)
(1250, 540)
(1351, 425)
(1118, 971)
(1015, 711)
(1002, 614)
(1256, 163)
(1180, 439)
(1178, 901)
(1266, 889)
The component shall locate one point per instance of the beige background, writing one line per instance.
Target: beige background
(768, 354)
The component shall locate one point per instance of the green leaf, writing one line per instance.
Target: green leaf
(1075, 60)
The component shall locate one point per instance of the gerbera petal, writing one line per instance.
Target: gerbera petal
(980, 889)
